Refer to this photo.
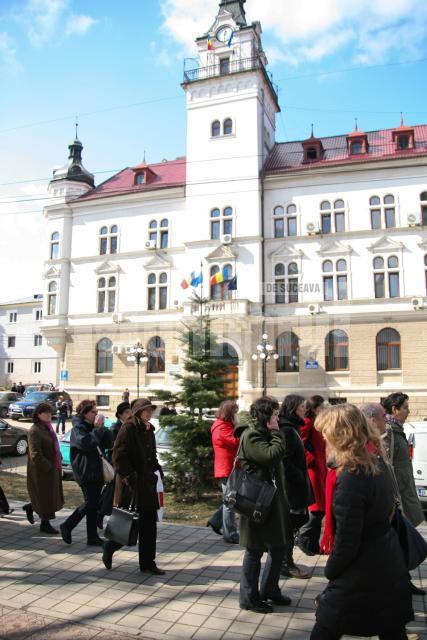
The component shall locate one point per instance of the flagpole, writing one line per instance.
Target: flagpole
(201, 301)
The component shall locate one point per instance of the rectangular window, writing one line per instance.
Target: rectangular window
(390, 218)
(111, 301)
(163, 297)
(339, 222)
(279, 228)
(113, 244)
(379, 285)
(292, 226)
(224, 65)
(10, 367)
(293, 290)
(164, 239)
(101, 301)
(228, 226)
(37, 366)
(39, 314)
(153, 236)
(13, 316)
(328, 288)
(393, 285)
(103, 246)
(326, 223)
(51, 305)
(376, 219)
(38, 340)
(103, 401)
(424, 216)
(54, 251)
(11, 341)
(342, 287)
(151, 299)
(279, 291)
(215, 229)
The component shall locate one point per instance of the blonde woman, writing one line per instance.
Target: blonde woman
(368, 591)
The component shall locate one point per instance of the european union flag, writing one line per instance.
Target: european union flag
(196, 280)
(232, 285)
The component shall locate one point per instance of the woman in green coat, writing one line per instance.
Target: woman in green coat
(261, 452)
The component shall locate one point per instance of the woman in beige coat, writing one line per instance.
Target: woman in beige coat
(44, 481)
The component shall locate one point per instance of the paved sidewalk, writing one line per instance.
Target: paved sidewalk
(52, 591)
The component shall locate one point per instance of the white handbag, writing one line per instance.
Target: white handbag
(107, 468)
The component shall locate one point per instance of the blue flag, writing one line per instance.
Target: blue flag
(196, 280)
(230, 40)
(232, 285)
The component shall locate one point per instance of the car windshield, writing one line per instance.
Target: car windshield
(37, 396)
(163, 435)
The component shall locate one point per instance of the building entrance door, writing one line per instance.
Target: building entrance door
(231, 373)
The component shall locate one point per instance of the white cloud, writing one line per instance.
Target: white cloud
(373, 31)
(79, 24)
(8, 59)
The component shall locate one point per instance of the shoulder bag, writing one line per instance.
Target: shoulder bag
(413, 545)
(122, 526)
(107, 468)
(247, 495)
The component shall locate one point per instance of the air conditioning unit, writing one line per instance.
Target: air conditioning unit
(129, 349)
(151, 244)
(313, 228)
(414, 219)
(313, 308)
(118, 317)
(117, 349)
(417, 303)
(226, 238)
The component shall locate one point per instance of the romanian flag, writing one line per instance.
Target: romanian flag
(210, 44)
(217, 278)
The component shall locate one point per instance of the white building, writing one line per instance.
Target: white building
(326, 238)
(24, 354)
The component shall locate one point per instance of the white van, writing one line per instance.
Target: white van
(416, 433)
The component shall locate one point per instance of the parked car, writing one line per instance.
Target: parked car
(416, 433)
(47, 386)
(6, 397)
(162, 436)
(64, 448)
(13, 439)
(24, 408)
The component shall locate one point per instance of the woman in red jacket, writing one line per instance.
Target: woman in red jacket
(225, 446)
(315, 456)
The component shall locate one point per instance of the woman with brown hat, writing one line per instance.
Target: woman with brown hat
(44, 466)
(135, 462)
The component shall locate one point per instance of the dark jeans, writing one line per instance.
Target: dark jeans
(309, 534)
(297, 520)
(147, 534)
(89, 508)
(60, 419)
(250, 593)
(321, 633)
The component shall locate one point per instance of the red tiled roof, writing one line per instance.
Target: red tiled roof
(288, 156)
(166, 174)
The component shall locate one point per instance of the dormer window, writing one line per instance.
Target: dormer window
(313, 149)
(402, 142)
(356, 148)
(143, 174)
(403, 137)
(311, 153)
(140, 178)
(357, 142)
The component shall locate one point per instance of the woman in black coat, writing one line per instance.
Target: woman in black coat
(368, 592)
(297, 484)
(87, 468)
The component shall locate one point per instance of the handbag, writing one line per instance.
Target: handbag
(413, 545)
(107, 468)
(122, 526)
(247, 495)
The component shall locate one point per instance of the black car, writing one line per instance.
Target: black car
(13, 439)
(6, 397)
(24, 408)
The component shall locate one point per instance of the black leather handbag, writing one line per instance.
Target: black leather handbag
(413, 545)
(248, 495)
(122, 526)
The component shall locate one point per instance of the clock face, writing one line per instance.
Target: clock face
(224, 34)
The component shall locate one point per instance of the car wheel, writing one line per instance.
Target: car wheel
(3, 412)
(21, 447)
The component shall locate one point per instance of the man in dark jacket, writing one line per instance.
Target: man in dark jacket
(135, 462)
(123, 414)
(86, 442)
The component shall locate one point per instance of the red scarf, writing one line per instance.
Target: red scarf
(328, 538)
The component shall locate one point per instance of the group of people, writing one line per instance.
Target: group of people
(345, 465)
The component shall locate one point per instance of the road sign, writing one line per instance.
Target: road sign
(311, 364)
(64, 374)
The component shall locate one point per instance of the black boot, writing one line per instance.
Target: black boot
(28, 508)
(107, 556)
(46, 527)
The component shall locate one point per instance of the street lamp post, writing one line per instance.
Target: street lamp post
(137, 354)
(265, 351)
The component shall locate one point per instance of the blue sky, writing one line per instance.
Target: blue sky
(118, 66)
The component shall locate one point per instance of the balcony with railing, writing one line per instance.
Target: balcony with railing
(228, 66)
(218, 308)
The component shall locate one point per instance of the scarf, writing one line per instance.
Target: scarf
(328, 538)
(391, 420)
(58, 457)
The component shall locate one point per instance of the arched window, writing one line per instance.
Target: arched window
(335, 280)
(386, 278)
(228, 127)
(279, 222)
(388, 349)
(336, 351)
(423, 202)
(157, 291)
(286, 283)
(216, 129)
(108, 239)
(383, 212)
(221, 222)
(291, 220)
(51, 298)
(219, 281)
(332, 217)
(54, 246)
(288, 349)
(156, 355)
(159, 233)
(104, 356)
(285, 225)
(107, 294)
